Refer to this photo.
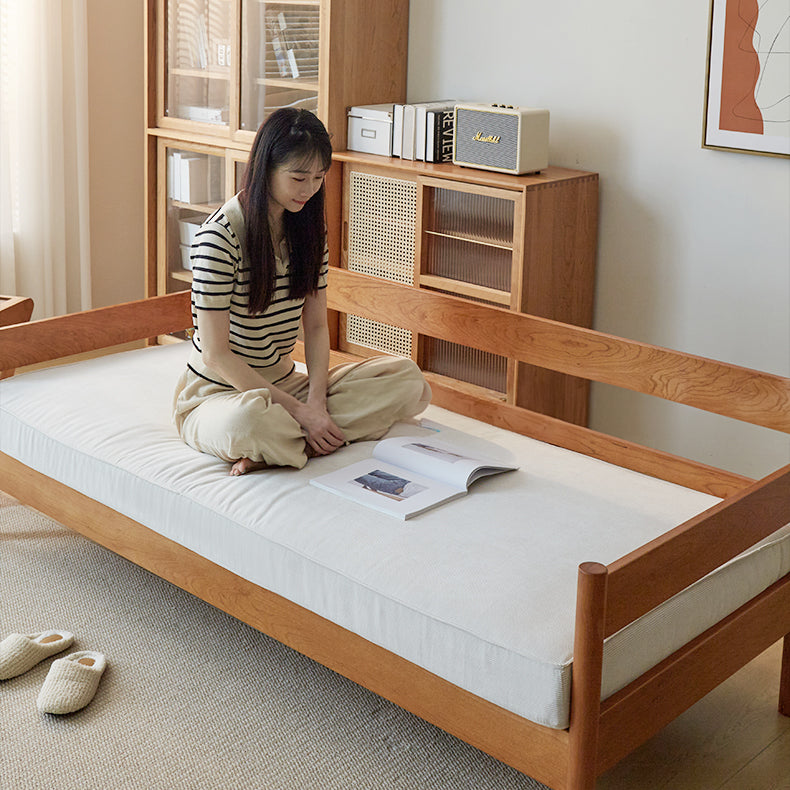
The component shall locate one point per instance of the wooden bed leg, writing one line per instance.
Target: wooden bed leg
(784, 678)
(586, 678)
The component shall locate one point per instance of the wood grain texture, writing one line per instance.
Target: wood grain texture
(784, 678)
(487, 407)
(668, 564)
(551, 250)
(634, 583)
(53, 338)
(740, 393)
(656, 463)
(15, 310)
(732, 739)
(372, 69)
(585, 713)
(465, 174)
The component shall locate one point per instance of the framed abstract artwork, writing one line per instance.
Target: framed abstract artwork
(747, 91)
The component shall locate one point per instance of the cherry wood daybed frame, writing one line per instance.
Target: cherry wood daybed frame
(601, 732)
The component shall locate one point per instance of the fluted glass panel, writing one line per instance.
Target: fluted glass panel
(458, 259)
(466, 364)
(487, 219)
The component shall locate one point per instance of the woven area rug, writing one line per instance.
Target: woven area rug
(191, 697)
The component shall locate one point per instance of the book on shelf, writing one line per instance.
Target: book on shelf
(397, 129)
(414, 130)
(408, 475)
(421, 124)
(439, 135)
(408, 132)
(194, 177)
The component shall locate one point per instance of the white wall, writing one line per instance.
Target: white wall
(694, 244)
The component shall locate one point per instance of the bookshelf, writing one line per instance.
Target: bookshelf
(217, 68)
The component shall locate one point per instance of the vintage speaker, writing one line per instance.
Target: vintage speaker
(501, 137)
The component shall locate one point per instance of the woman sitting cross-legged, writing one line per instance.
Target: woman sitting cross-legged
(260, 266)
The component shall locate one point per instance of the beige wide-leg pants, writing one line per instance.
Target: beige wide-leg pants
(363, 398)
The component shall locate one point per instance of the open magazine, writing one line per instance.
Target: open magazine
(409, 475)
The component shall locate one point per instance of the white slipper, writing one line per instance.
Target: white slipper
(71, 682)
(20, 652)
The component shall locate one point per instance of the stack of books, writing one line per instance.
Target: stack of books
(424, 131)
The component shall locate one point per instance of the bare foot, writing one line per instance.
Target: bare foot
(244, 465)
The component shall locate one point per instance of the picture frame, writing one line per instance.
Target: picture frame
(747, 86)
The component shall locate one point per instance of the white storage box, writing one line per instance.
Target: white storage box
(186, 261)
(370, 129)
(188, 226)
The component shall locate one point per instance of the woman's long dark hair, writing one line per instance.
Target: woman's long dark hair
(296, 138)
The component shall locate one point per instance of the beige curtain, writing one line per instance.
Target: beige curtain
(44, 208)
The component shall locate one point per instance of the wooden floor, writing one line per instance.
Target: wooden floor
(733, 739)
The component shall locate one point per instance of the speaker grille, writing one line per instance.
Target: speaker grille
(381, 243)
(503, 154)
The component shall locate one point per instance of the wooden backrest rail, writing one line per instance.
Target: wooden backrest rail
(577, 438)
(740, 393)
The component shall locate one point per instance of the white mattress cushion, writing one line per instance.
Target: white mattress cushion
(480, 591)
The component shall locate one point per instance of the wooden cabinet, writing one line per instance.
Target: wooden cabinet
(525, 243)
(218, 68)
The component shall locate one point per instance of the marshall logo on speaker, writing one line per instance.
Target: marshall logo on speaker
(490, 138)
(501, 137)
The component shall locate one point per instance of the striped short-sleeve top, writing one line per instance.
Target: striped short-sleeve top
(220, 281)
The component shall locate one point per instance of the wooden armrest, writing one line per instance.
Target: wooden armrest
(15, 310)
(103, 327)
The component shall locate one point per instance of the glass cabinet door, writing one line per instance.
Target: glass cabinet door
(468, 246)
(279, 68)
(195, 189)
(468, 242)
(199, 60)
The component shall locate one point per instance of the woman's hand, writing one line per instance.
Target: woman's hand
(323, 436)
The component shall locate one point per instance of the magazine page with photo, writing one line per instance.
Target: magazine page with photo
(408, 475)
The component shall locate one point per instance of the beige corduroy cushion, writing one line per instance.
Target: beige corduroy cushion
(71, 682)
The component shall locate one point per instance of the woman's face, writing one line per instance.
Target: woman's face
(293, 184)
